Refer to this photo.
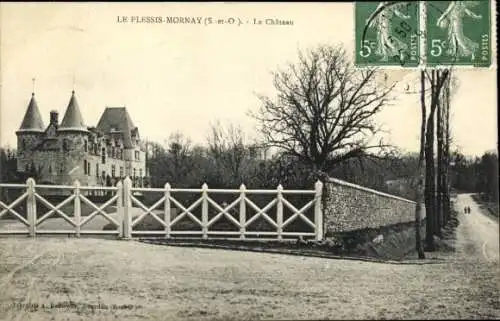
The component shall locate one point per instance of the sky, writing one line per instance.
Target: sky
(185, 77)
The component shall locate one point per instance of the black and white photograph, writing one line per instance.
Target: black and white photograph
(249, 160)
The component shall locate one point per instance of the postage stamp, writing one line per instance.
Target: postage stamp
(386, 33)
(458, 33)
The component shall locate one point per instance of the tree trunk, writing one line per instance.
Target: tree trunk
(446, 182)
(420, 179)
(440, 168)
(429, 173)
(430, 181)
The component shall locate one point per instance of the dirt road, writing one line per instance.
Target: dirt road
(478, 234)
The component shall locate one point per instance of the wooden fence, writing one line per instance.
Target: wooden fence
(166, 212)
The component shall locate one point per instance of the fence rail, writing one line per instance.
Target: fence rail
(163, 211)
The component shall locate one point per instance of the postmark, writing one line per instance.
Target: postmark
(458, 33)
(386, 33)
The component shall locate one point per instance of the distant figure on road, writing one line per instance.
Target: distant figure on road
(468, 209)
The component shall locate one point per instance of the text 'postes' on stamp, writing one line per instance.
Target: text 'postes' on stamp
(387, 33)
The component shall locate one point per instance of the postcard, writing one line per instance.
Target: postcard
(248, 160)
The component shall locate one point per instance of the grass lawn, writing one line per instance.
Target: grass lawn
(96, 279)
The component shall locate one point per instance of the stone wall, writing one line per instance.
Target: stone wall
(350, 207)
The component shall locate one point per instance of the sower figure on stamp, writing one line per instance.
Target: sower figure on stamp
(388, 45)
(458, 44)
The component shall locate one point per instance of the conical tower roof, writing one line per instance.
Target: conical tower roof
(117, 118)
(32, 121)
(73, 119)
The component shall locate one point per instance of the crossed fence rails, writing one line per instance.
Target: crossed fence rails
(125, 226)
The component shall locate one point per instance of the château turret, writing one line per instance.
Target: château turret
(32, 121)
(72, 120)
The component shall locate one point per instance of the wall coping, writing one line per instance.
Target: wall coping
(366, 189)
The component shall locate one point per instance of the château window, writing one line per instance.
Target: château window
(136, 155)
(88, 168)
(85, 167)
(103, 155)
(121, 171)
(85, 146)
(97, 170)
(65, 144)
(113, 170)
(135, 173)
(140, 172)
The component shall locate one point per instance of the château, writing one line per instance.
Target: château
(67, 151)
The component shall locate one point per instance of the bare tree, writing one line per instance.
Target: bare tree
(227, 148)
(323, 110)
(443, 137)
(437, 80)
(178, 151)
(178, 144)
(430, 171)
(439, 161)
(451, 82)
(419, 197)
(446, 150)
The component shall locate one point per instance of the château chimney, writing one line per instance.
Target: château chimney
(54, 117)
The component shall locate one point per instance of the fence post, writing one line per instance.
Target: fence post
(167, 210)
(204, 210)
(119, 207)
(31, 206)
(279, 211)
(77, 209)
(318, 213)
(127, 205)
(242, 211)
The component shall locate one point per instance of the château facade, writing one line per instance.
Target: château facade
(64, 152)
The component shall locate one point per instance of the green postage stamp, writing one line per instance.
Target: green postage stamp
(389, 33)
(458, 33)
